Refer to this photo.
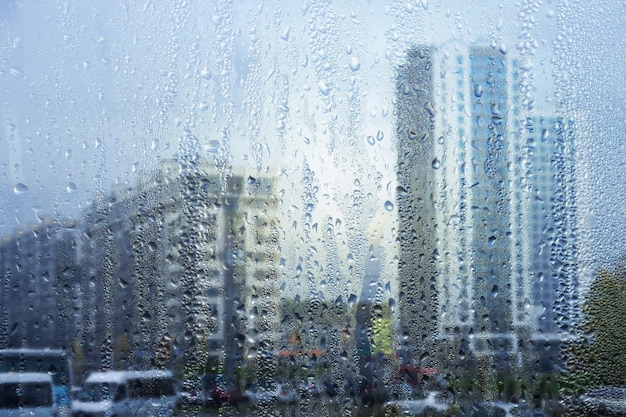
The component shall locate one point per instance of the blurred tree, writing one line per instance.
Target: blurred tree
(79, 361)
(598, 356)
(382, 330)
(121, 351)
(606, 312)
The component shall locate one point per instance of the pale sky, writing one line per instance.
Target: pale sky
(92, 95)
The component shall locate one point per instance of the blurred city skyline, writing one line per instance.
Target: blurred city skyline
(95, 96)
(106, 98)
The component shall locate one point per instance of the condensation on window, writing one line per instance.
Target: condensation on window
(316, 208)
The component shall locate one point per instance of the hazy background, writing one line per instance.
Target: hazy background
(94, 93)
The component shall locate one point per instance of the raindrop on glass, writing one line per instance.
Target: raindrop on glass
(206, 73)
(20, 188)
(324, 87)
(402, 192)
(285, 35)
(17, 73)
(355, 65)
(478, 90)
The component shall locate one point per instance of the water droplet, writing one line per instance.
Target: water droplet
(20, 188)
(285, 35)
(478, 90)
(206, 73)
(355, 65)
(389, 205)
(352, 300)
(494, 291)
(17, 73)
(526, 64)
(436, 163)
(370, 140)
(71, 187)
(324, 87)
(401, 191)
(380, 135)
(492, 240)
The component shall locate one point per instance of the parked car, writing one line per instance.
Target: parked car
(191, 398)
(274, 393)
(416, 407)
(286, 393)
(227, 395)
(311, 388)
(150, 393)
(261, 395)
(98, 393)
(490, 409)
(127, 393)
(281, 392)
(27, 394)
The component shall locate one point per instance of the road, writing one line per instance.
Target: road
(315, 407)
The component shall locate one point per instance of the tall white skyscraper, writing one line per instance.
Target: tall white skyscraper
(475, 239)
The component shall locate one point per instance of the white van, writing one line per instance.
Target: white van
(127, 393)
(98, 393)
(27, 394)
(150, 393)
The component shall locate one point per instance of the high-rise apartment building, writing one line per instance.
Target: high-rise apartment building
(539, 223)
(418, 202)
(186, 267)
(491, 199)
(221, 235)
(475, 191)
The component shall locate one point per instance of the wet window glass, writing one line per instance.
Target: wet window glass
(315, 207)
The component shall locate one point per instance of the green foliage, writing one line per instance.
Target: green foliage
(597, 357)
(244, 375)
(382, 331)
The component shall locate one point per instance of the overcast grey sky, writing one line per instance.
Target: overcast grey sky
(92, 94)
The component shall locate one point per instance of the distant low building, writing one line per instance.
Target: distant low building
(40, 288)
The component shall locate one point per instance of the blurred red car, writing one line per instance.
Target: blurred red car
(223, 395)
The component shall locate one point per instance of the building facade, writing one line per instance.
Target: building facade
(184, 266)
(477, 196)
(40, 291)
